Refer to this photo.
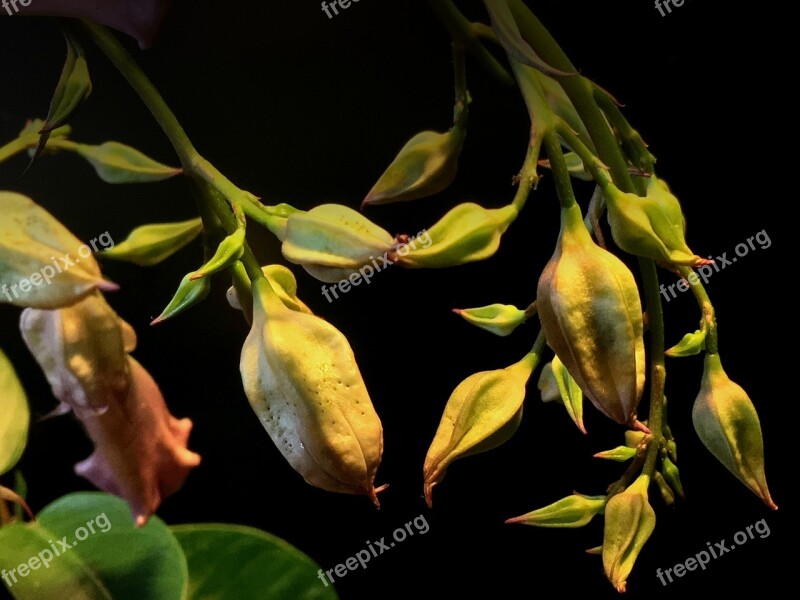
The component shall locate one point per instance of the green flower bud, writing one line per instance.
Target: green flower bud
(229, 251)
(467, 233)
(149, 245)
(302, 380)
(283, 283)
(651, 226)
(672, 476)
(571, 394)
(547, 384)
(633, 438)
(727, 423)
(591, 315)
(499, 319)
(666, 492)
(573, 511)
(483, 412)
(190, 292)
(332, 241)
(690, 344)
(425, 166)
(118, 163)
(618, 454)
(629, 522)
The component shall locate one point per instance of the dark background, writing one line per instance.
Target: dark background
(299, 108)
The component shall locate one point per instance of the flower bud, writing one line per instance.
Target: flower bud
(44, 265)
(302, 380)
(667, 495)
(547, 384)
(467, 233)
(633, 438)
(283, 283)
(499, 319)
(629, 522)
(149, 245)
(652, 226)
(118, 163)
(727, 423)
(618, 454)
(425, 166)
(332, 241)
(591, 315)
(573, 511)
(690, 344)
(483, 412)
(672, 476)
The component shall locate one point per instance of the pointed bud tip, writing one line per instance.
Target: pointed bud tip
(104, 285)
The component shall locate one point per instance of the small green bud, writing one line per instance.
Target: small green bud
(467, 233)
(149, 245)
(425, 166)
(570, 391)
(499, 319)
(618, 454)
(570, 512)
(547, 384)
(629, 522)
(727, 423)
(228, 252)
(633, 438)
(672, 476)
(690, 344)
(652, 226)
(666, 492)
(190, 292)
(118, 163)
(283, 283)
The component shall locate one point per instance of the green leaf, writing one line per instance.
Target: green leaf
(132, 563)
(511, 39)
(42, 265)
(149, 245)
(72, 90)
(691, 344)
(15, 416)
(66, 576)
(118, 163)
(229, 561)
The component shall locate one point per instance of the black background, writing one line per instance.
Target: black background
(300, 108)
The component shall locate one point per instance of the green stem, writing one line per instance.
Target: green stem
(658, 370)
(462, 31)
(558, 165)
(709, 314)
(528, 176)
(194, 165)
(578, 88)
(538, 345)
(631, 140)
(13, 148)
(593, 164)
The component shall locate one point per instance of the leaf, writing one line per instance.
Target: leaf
(132, 563)
(72, 90)
(511, 39)
(690, 344)
(42, 265)
(65, 577)
(15, 416)
(230, 561)
(118, 163)
(149, 245)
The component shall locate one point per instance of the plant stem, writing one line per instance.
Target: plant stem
(558, 165)
(13, 148)
(194, 165)
(462, 31)
(658, 370)
(709, 315)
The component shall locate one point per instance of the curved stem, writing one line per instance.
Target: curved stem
(462, 31)
(709, 315)
(194, 165)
